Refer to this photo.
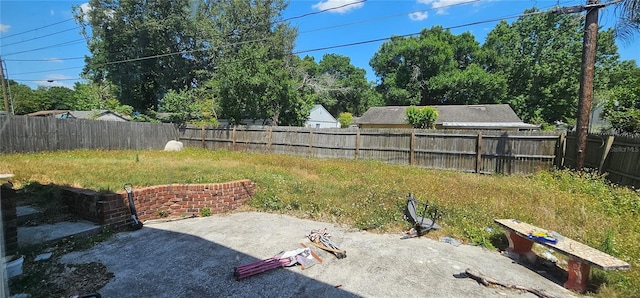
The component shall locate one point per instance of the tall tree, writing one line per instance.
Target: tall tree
(24, 100)
(59, 98)
(622, 108)
(142, 47)
(540, 56)
(93, 96)
(436, 67)
(254, 70)
(350, 92)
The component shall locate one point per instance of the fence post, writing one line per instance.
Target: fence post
(479, 153)
(310, 142)
(412, 144)
(270, 139)
(202, 134)
(605, 153)
(561, 150)
(357, 143)
(233, 138)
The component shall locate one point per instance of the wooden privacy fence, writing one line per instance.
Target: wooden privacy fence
(35, 134)
(618, 156)
(470, 151)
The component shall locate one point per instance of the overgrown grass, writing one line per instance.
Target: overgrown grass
(370, 195)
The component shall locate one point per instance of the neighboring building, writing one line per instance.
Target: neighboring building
(104, 115)
(319, 117)
(489, 116)
(62, 114)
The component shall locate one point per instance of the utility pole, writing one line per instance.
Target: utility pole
(589, 43)
(4, 89)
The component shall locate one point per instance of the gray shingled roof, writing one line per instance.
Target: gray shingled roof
(447, 113)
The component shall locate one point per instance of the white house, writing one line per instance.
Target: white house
(319, 117)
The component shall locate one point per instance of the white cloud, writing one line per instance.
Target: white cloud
(322, 5)
(4, 28)
(85, 8)
(418, 15)
(442, 5)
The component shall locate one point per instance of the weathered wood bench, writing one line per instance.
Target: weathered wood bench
(581, 256)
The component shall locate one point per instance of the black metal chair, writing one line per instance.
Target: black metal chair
(421, 215)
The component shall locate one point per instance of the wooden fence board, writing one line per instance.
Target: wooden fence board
(500, 152)
(35, 134)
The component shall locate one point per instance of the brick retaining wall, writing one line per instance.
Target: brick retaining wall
(9, 220)
(172, 200)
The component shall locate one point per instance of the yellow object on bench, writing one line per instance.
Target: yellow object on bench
(581, 256)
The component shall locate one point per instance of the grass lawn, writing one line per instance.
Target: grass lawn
(370, 195)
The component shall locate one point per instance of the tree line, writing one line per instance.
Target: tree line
(204, 60)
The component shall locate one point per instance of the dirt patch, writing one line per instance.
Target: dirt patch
(49, 277)
(52, 279)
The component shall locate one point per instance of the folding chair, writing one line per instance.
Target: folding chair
(421, 215)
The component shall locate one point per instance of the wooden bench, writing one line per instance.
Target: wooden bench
(581, 256)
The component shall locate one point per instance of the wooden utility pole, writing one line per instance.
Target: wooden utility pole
(586, 79)
(4, 89)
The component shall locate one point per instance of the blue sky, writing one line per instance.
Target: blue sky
(39, 42)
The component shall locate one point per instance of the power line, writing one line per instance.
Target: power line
(66, 43)
(143, 58)
(297, 52)
(47, 80)
(302, 51)
(39, 37)
(324, 10)
(35, 29)
(384, 17)
(39, 71)
(43, 60)
(240, 43)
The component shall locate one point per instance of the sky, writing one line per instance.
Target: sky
(41, 44)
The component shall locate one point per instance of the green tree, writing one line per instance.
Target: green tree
(140, 46)
(433, 68)
(58, 98)
(540, 55)
(472, 85)
(23, 99)
(256, 78)
(188, 106)
(423, 117)
(350, 92)
(345, 119)
(622, 109)
(93, 96)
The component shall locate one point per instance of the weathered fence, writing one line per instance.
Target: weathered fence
(618, 156)
(34, 134)
(481, 152)
(471, 151)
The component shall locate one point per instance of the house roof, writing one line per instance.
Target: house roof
(95, 114)
(319, 114)
(489, 113)
(48, 113)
